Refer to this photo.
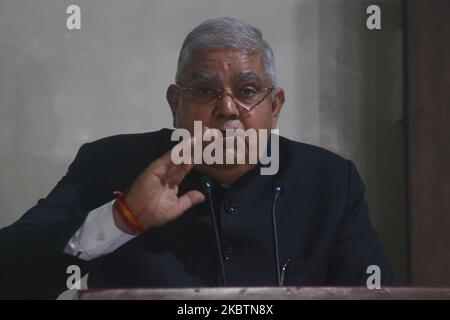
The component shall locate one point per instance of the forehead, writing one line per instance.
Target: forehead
(224, 64)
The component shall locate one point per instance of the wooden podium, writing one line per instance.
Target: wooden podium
(268, 293)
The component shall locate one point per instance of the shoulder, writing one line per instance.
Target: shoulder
(316, 168)
(152, 139)
(318, 174)
(135, 149)
(301, 155)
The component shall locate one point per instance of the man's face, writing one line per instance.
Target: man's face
(228, 70)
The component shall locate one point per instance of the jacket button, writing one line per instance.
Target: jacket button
(229, 207)
(228, 254)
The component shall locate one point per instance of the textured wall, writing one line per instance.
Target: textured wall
(428, 105)
(60, 88)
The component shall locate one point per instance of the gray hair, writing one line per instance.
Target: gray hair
(228, 33)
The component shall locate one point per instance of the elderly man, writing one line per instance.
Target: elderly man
(130, 217)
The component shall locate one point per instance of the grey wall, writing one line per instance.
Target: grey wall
(61, 88)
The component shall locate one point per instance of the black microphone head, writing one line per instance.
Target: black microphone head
(278, 187)
(207, 182)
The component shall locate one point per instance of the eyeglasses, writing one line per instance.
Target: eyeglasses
(246, 97)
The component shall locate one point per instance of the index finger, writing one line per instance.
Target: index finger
(177, 162)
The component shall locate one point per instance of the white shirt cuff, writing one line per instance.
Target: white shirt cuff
(98, 235)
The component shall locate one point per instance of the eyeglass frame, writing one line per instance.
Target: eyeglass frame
(220, 94)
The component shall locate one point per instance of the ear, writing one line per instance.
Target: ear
(277, 104)
(172, 95)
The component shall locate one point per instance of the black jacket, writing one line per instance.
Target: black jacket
(322, 222)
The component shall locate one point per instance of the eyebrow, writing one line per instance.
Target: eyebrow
(203, 75)
(240, 77)
(247, 76)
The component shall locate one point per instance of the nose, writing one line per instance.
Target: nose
(226, 107)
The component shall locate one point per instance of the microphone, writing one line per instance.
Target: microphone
(207, 184)
(278, 189)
